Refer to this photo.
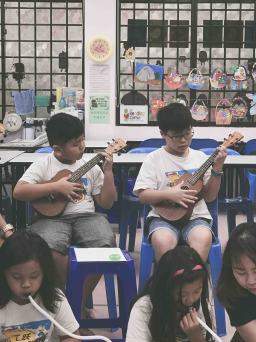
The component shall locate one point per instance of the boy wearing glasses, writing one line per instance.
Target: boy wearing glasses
(158, 180)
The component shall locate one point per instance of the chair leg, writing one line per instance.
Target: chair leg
(111, 296)
(249, 212)
(231, 219)
(215, 260)
(146, 261)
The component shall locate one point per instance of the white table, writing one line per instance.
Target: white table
(6, 156)
(131, 158)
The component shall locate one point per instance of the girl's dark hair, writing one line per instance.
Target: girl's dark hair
(163, 285)
(23, 246)
(242, 241)
(174, 116)
(62, 127)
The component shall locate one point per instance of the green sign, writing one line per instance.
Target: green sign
(99, 109)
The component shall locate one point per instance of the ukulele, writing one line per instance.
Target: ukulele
(54, 204)
(172, 211)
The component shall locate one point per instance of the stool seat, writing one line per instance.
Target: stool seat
(126, 280)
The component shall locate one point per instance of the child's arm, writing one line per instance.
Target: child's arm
(248, 331)
(25, 191)
(108, 192)
(211, 188)
(173, 194)
(191, 327)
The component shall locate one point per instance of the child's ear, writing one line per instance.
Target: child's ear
(57, 150)
(163, 134)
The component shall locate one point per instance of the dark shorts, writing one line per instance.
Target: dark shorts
(81, 230)
(158, 223)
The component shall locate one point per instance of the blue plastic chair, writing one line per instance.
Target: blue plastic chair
(250, 148)
(46, 149)
(214, 259)
(233, 194)
(198, 143)
(153, 142)
(131, 208)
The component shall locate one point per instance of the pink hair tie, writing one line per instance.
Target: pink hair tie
(197, 267)
(178, 272)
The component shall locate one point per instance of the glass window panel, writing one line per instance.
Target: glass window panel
(42, 49)
(42, 16)
(75, 49)
(43, 32)
(27, 16)
(27, 49)
(27, 32)
(43, 65)
(75, 33)
(59, 16)
(59, 33)
(75, 17)
(12, 32)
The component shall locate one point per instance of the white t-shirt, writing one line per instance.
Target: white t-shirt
(138, 329)
(160, 170)
(46, 168)
(25, 323)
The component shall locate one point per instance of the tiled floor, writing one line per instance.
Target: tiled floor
(100, 308)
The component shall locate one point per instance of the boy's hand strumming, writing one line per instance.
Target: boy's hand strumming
(181, 196)
(70, 190)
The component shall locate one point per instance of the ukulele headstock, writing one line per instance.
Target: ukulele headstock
(115, 146)
(232, 139)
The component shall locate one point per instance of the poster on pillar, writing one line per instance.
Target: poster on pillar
(99, 109)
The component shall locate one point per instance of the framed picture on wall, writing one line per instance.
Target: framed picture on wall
(133, 114)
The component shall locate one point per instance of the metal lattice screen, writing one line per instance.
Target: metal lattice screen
(35, 33)
(173, 33)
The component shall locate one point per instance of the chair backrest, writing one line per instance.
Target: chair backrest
(233, 183)
(250, 147)
(197, 143)
(153, 142)
(142, 150)
(46, 149)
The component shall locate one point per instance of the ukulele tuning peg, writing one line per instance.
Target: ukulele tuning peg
(119, 153)
(108, 142)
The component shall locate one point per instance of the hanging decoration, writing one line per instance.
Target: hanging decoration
(199, 110)
(253, 72)
(129, 55)
(223, 112)
(239, 80)
(252, 97)
(218, 79)
(173, 80)
(195, 79)
(239, 108)
(155, 105)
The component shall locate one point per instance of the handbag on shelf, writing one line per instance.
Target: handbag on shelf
(239, 80)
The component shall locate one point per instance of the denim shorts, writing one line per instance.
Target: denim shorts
(82, 230)
(181, 234)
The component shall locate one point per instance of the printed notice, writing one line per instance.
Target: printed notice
(99, 109)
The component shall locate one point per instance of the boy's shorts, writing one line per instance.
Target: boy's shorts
(80, 230)
(157, 223)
